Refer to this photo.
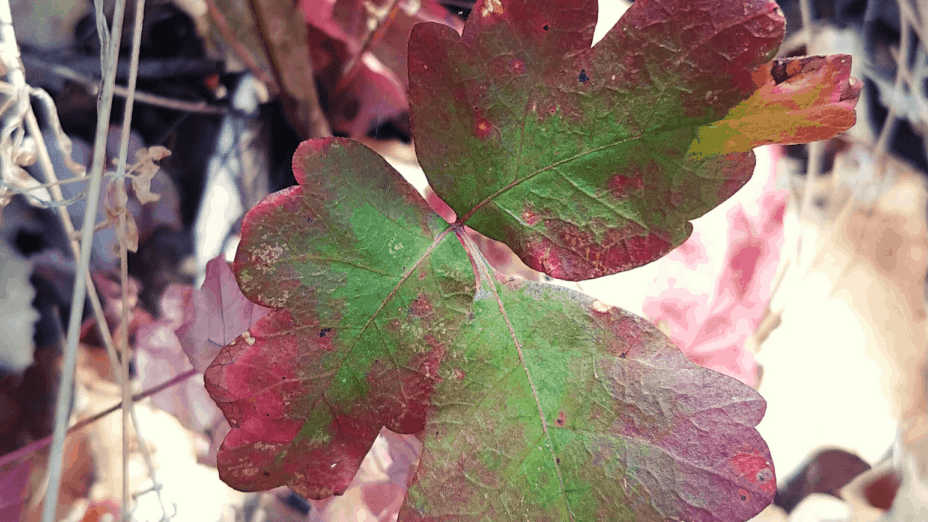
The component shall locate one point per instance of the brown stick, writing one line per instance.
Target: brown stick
(372, 37)
(222, 25)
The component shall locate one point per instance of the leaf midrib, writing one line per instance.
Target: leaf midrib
(575, 157)
(485, 273)
(437, 241)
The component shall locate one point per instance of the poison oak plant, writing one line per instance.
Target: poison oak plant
(533, 402)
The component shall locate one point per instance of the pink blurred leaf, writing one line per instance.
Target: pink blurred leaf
(380, 484)
(14, 481)
(161, 356)
(194, 326)
(347, 22)
(712, 330)
(216, 315)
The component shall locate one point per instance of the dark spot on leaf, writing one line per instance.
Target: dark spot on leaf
(561, 418)
(544, 27)
(743, 497)
(283, 378)
(309, 220)
(784, 70)
(324, 331)
(778, 72)
(266, 474)
(622, 355)
(583, 77)
(557, 460)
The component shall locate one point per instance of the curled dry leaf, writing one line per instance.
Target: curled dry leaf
(19, 181)
(143, 170)
(116, 203)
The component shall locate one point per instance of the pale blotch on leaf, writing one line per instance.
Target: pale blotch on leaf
(492, 7)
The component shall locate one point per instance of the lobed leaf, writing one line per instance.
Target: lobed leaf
(554, 406)
(369, 292)
(590, 161)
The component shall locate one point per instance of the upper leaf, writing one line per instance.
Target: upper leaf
(533, 402)
(797, 101)
(582, 159)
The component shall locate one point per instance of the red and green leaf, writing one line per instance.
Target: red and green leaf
(533, 402)
(552, 406)
(590, 161)
(371, 288)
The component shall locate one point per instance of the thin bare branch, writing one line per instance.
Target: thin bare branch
(110, 54)
(141, 97)
(29, 449)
